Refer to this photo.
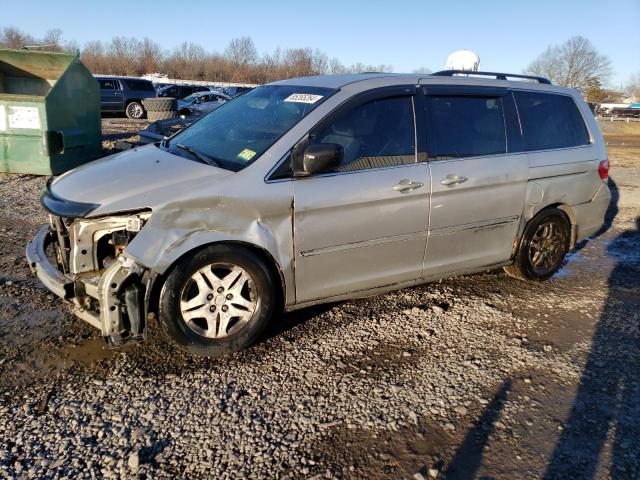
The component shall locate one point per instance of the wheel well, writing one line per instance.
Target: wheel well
(564, 208)
(571, 218)
(274, 268)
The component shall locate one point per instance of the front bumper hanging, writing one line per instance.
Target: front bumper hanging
(112, 300)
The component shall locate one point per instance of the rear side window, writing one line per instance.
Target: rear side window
(460, 126)
(376, 134)
(140, 85)
(107, 84)
(550, 121)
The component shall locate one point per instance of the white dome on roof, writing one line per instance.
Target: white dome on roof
(463, 60)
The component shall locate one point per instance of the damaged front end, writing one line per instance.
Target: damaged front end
(82, 260)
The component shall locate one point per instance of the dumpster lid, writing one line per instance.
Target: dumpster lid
(31, 72)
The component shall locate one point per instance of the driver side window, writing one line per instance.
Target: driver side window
(376, 134)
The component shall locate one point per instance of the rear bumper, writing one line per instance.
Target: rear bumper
(590, 216)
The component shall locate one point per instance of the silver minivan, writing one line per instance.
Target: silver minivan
(320, 189)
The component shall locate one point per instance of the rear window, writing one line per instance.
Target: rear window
(459, 126)
(550, 121)
(140, 85)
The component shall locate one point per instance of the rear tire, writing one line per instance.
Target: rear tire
(134, 110)
(217, 301)
(543, 246)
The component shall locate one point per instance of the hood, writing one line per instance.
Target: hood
(140, 178)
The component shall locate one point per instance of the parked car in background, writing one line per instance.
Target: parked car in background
(321, 189)
(180, 91)
(235, 91)
(201, 102)
(124, 95)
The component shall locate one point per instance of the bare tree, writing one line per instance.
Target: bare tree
(336, 67)
(93, 56)
(632, 88)
(242, 51)
(149, 56)
(122, 55)
(12, 37)
(53, 40)
(576, 63)
(240, 61)
(188, 60)
(425, 70)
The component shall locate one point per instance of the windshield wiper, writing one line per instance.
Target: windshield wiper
(199, 155)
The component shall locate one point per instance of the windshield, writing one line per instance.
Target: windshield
(189, 98)
(235, 134)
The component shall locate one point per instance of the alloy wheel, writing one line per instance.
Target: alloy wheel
(135, 110)
(547, 246)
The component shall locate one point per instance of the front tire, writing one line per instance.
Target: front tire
(543, 246)
(218, 301)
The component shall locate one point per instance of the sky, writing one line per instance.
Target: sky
(407, 34)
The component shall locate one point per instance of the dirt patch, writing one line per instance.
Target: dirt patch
(623, 142)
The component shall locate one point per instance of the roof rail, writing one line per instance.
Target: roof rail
(498, 76)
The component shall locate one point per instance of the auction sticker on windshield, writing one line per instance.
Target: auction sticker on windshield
(247, 154)
(303, 98)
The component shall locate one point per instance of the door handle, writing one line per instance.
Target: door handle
(406, 186)
(452, 179)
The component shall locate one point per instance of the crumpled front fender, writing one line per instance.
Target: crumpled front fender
(181, 227)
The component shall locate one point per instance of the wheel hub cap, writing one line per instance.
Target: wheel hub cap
(218, 300)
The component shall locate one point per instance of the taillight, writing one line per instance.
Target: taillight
(603, 169)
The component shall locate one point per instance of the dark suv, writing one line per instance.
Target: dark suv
(180, 91)
(122, 94)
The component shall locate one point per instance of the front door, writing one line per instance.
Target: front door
(478, 186)
(363, 225)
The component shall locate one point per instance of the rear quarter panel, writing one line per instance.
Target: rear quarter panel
(567, 176)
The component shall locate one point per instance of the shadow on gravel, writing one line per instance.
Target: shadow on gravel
(119, 136)
(468, 457)
(609, 392)
(299, 317)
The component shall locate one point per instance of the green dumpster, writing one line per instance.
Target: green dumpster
(49, 112)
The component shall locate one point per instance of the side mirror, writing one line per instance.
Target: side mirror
(319, 158)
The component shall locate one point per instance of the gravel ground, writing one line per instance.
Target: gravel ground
(481, 376)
